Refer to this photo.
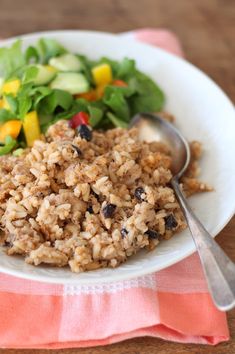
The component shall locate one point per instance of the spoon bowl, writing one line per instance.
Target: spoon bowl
(154, 128)
(219, 270)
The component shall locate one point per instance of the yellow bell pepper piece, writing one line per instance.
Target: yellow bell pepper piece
(5, 104)
(102, 74)
(12, 128)
(11, 87)
(31, 128)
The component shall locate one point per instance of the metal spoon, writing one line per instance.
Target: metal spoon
(218, 268)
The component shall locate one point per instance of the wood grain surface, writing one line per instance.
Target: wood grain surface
(207, 31)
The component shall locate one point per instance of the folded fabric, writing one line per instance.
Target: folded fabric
(173, 304)
(161, 38)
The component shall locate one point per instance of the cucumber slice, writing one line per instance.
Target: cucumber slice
(45, 74)
(66, 62)
(71, 82)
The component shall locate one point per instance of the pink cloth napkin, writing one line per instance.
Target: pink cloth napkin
(173, 304)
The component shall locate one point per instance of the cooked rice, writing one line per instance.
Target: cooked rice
(55, 201)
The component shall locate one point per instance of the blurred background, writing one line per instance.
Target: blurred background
(205, 27)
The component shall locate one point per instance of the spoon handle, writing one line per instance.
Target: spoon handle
(218, 268)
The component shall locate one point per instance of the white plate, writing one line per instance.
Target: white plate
(202, 111)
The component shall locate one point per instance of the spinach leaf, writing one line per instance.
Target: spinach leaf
(38, 94)
(12, 101)
(49, 48)
(45, 122)
(115, 100)
(10, 143)
(43, 90)
(117, 122)
(82, 105)
(67, 114)
(124, 91)
(24, 96)
(149, 97)
(126, 69)
(6, 115)
(56, 99)
(50, 113)
(11, 59)
(24, 104)
(31, 55)
(29, 74)
(87, 64)
(96, 114)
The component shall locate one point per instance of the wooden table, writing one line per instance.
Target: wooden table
(207, 31)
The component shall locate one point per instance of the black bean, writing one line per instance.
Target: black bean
(90, 210)
(84, 132)
(170, 222)
(78, 151)
(109, 210)
(139, 194)
(124, 232)
(152, 234)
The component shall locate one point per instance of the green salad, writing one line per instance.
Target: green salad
(46, 83)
